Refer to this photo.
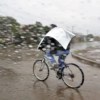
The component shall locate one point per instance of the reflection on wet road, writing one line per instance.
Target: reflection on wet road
(60, 93)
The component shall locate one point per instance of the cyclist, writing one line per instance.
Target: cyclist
(52, 47)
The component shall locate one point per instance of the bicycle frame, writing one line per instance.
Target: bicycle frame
(70, 73)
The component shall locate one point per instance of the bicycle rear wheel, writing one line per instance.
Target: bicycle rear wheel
(73, 75)
(40, 70)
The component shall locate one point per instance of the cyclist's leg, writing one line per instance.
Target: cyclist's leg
(62, 55)
(50, 57)
(61, 61)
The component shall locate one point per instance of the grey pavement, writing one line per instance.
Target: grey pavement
(17, 82)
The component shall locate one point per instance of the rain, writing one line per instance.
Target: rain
(23, 24)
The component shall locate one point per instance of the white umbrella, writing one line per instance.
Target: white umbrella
(59, 34)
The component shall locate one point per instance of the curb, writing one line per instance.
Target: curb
(86, 60)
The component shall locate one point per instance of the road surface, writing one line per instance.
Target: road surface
(17, 82)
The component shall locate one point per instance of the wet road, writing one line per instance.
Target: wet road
(18, 83)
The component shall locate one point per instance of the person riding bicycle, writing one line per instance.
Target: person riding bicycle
(57, 42)
(53, 47)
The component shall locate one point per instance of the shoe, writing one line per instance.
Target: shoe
(59, 74)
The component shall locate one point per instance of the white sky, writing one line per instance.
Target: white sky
(83, 15)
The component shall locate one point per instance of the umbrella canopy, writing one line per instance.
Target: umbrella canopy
(59, 34)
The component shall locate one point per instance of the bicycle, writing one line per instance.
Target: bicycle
(41, 70)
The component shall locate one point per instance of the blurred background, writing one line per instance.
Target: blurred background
(26, 21)
(23, 23)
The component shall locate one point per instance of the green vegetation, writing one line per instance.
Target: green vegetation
(12, 33)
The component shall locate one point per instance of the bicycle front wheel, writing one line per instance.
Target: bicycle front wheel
(40, 70)
(73, 75)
